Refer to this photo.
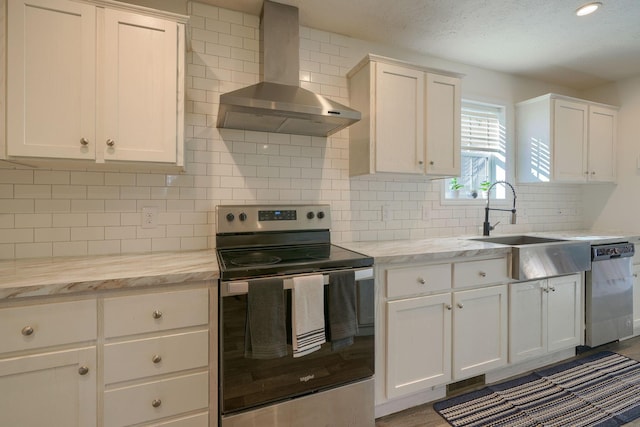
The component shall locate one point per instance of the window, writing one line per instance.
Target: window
(483, 157)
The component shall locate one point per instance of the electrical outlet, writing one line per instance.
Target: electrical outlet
(149, 217)
(386, 212)
(426, 212)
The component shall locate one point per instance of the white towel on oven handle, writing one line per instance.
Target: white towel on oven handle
(307, 314)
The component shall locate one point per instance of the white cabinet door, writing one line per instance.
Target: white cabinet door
(51, 70)
(570, 141)
(443, 125)
(564, 310)
(399, 119)
(479, 330)
(636, 299)
(140, 86)
(418, 344)
(527, 320)
(602, 143)
(49, 389)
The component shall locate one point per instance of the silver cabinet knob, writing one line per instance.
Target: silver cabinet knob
(83, 370)
(420, 162)
(635, 274)
(156, 403)
(27, 330)
(157, 314)
(593, 172)
(482, 274)
(460, 305)
(586, 172)
(84, 141)
(431, 163)
(552, 289)
(421, 281)
(156, 358)
(449, 307)
(110, 142)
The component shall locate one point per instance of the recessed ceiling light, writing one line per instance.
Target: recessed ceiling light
(588, 8)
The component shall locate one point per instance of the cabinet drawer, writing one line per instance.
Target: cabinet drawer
(480, 272)
(155, 312)
(155, 400)
(154, 356)
(200, 420)
(416, 280)
(44, 325)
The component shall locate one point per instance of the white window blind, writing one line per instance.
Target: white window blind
(480, 128)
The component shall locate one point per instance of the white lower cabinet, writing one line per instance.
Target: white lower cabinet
(49, 389)
(48, 364)
(419, 343)
(636, 299)
(544, 316)
(124, 358)
(479, 330)
(435, 334)
(156, 356)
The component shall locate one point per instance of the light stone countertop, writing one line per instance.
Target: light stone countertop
(68, 275)
(425, 250)
(435, 249)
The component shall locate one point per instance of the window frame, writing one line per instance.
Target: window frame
(503, 113)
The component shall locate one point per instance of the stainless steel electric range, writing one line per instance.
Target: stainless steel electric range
(267, 254)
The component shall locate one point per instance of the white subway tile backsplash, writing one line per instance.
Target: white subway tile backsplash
(6, 191)
(70, 248)
(31, 191)
(33, 250)
(70, 212)
(61, 234)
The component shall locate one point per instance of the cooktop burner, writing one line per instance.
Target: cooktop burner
(256, 258)
(259, 262)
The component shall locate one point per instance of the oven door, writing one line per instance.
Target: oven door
(247, 383)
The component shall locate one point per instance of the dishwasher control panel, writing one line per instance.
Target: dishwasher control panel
(613, 250)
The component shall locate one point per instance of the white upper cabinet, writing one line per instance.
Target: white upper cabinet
(410, 119)
(95, 82)
(51, 79)
(562, 139)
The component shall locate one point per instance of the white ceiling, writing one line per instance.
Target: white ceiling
(541, 39)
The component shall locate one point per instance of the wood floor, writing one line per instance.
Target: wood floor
(425, 416)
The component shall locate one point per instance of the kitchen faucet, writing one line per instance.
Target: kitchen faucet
(486, 226)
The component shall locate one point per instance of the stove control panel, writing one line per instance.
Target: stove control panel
(253, 218)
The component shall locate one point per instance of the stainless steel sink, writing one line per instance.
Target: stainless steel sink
(535, 257)
(518, 240)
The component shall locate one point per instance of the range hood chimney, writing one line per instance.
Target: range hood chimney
(278, 104)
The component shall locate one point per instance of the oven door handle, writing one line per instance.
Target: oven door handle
(239, 287)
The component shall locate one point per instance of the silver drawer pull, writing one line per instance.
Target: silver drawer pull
(449, 307)
(110, 142)
(482, 274)
(83, 370)
(552, 288)
(421, 281)
(157, 314)
(156, 403)
(84, 141)
(27, 330)
(156, 358)
(460, 305)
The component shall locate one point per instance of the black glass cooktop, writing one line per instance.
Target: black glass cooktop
(281, 260)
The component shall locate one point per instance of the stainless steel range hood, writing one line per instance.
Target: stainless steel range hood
(279, 104)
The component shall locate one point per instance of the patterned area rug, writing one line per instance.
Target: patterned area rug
(599, 390)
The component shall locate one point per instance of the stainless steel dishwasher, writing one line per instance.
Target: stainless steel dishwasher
(609, 294)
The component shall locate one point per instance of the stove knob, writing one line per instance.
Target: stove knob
(230, 217)
(310, 215)
(320, 215)
(242, 216)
